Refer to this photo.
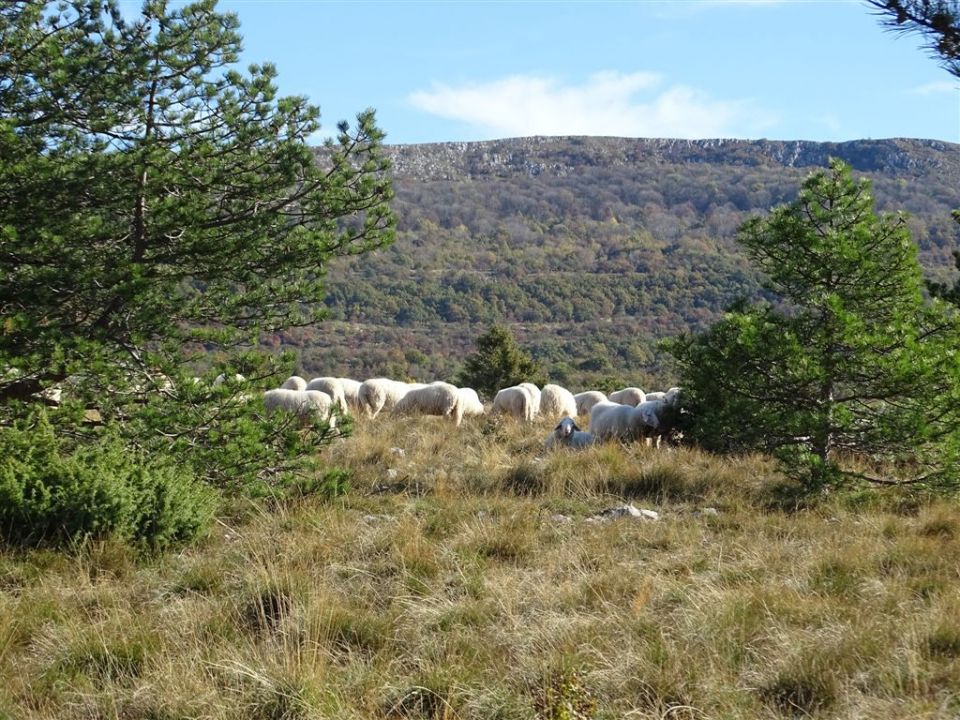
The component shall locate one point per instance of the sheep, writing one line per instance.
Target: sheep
(351, 391)
(609, 420)
(516, 401)
(469, 402)
(332, 387)
(438, 398)
(628, 396)
(294, 382)
(222, 378)
(656, 395)
(534, 396)
(556, 401)
(303, 403)
(586, 400)
(662, 415)
(568, 434)
(378, 394)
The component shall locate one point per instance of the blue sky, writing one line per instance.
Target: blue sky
(822, 70)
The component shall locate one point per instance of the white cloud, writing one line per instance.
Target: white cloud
(608, 103)
(943, 87)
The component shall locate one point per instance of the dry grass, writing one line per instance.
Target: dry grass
(463, 578)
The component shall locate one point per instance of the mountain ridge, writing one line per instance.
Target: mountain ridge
(590, 249)
(536, 155)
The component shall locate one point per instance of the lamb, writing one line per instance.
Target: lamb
(586, 400)
(294, 382)
(332, 387)
(516, 401)
(469, 402)
(609, 420)
(556, 401)
(378, 394)
(438, 398)
(568, 434)
(306, 404)
(534, 396)
(628, 396)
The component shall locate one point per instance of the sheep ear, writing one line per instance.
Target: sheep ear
(575, 426)
(559, 425)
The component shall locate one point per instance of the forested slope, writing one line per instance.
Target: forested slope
(590, 249)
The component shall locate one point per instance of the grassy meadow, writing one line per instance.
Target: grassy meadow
(462, 575)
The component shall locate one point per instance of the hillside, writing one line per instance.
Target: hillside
(591, 249)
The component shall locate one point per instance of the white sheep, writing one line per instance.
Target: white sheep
(556, 401)
(332, 387)
(438, 398)
(469, 402)
(613, 421)
(656, 395)
(516, 401)
(378, 394)
(568, 434)
(222, 378)
(351, 391)
(628, 396)
(294, 382)
(586, 400)
(534, 396)
(307, 404)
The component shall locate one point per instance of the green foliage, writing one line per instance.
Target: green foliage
(51, 492)
(160, 205)
(942, 290)
(565, 696)
(853, 362)
(481, 241)
(498, 363)
(938, 21)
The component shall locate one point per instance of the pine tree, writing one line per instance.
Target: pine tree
(851, 363)
(938, 21)
(155, 201)
(498, 363)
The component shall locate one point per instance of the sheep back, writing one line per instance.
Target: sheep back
(556, 402)
(332, 387)
(628, 396)
(377, 394)
(294, 382)
(469, 402)
(586, 400)
(515, 401)
(438, 398)
(304, 403)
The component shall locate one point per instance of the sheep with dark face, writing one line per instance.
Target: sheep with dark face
(568, 434)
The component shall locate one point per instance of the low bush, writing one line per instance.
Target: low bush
(52, 493)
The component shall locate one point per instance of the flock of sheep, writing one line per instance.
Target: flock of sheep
(626, 415)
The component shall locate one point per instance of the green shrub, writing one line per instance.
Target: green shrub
(53, 493)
